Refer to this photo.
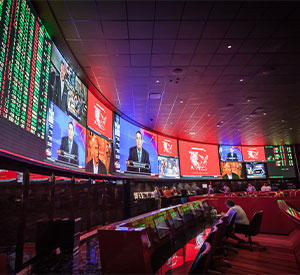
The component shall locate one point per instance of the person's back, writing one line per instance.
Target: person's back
(241, 217)
(266, 188)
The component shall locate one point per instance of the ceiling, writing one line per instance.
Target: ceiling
(227, 72)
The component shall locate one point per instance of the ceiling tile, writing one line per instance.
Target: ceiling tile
(140, 30)
(140, 60)
(161, 60)
(112, 10)
(140, 10)
(140, 46)
(165, 11)
(215, 29)
(83, 10)
(115, 29)
(166, 30)
(185, 46)
(163, 46)
(118, 46)
(190, 30)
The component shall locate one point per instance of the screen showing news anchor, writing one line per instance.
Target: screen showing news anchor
(135, 148)
(65, 89)
(198, 160)
(66, 139)
(231, 170)
(255, 170)
(98, 154)
(230, 153)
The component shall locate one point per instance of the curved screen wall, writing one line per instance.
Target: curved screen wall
(48, 114)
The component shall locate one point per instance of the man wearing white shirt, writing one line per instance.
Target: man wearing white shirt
(265, 187)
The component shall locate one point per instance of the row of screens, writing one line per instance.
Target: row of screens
(48, 114)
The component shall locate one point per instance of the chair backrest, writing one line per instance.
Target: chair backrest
(255, 223)
(221, 225)
(229, 228)
(202, 260)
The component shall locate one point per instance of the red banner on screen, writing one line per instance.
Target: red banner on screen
(167, 146)
(253, 153)
(99, 117)
(198, 159)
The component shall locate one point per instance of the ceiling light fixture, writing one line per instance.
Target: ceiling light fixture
(192, 133)
(247, 118)
(181, 101)
(242, 79)
(265, 114)
(157, 81)
(229, 46)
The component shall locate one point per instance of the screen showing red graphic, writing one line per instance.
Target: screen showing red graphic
(99, 117)
(253, 153)
(198, 160)
(167, 146)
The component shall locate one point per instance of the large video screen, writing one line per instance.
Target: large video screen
(255, 170)
(198, 160)
(135, 148)
(231, 170)
(280, 161)
(230, 153)
(168, 162)
(66, 139)
(98, 154)
(253, 153)
(99, 117)
(65, 89)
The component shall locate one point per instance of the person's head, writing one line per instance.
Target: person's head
(139, 139)
(94, 146)
(265, 184)
(229, 203)
(70, 130)
(227, 168)
(231, 150)
(62, 70)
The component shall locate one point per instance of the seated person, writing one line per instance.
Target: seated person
(250, 188)
(226, 189)
(240, 219)
(265, 187)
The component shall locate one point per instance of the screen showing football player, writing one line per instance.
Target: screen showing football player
(232, 156)
(68, 150)
(95, 165)
(138, 154)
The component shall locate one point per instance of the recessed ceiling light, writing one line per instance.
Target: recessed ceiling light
(247, 117)
(265, 114)
(157, 81)
(229, 46)
(171, 122)
(192, 133)
(181, 101)
(282, 120)
(248, 100)
(208, 114)
(242, 79)
(291, 128)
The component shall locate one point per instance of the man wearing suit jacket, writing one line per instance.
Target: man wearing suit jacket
(68, 150)
(229, 174)
(232, 156)
(95, 165)
(139, 154)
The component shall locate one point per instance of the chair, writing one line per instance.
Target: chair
(252, 229)
(228, 233)
(201, 262)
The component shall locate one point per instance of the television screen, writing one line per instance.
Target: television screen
(167, 146)
(66, 139)
(253, 153)
(168, 167)
(135, 148)
(231, 170)
(230, 153)
(280, 161)
(65, 89)
(198, 160)
(255, 170)
(99, 117)
(98, 154)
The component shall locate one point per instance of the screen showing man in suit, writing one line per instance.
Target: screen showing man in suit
(138, 159)
(135, 148)
(98, 154)
(232, 156)
(231, 170)
(68, 150)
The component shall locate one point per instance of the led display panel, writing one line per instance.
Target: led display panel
(198, 160)
(168, 163)
(253, 153)
(98, 154)
(280, 161)
(231, 170)
(25, 51)
(255, 170)
(66, 139)
(230, 153)
(66, 90)
(135, 148)
(99, 117)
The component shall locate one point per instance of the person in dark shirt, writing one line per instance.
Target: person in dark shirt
(183, 195)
